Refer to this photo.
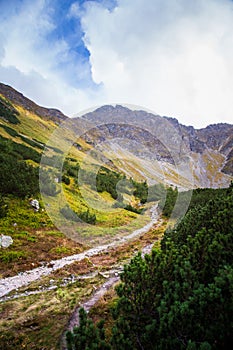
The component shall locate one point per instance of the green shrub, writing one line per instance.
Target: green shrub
(141, 190)
(87, 336)
(180, 296)
(3, 207)
(69, 214)
(8, 256)
(17, 177)
(60, 250)
(8, 112)
(47, 183)
(85, 216)
(134, 210)
(65, 179)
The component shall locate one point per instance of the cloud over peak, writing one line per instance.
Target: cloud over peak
(173, 57)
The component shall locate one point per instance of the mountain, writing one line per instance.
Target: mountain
(138, 143)
(41, 219)
(160, 148)
(20, 100)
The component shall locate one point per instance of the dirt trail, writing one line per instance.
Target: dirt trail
(9, 284)
(88, 304)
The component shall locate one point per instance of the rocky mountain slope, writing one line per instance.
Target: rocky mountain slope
(141, 144)
(162, 149)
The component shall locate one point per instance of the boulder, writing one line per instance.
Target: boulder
(5, 241)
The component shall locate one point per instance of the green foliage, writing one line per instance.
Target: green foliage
(21, 212)
(181, 296)
(31, 142)
(171, 197)
(133, 209)
(8, 112)
(14, 133)
(3, 207)
(106, 180)
(199, 197)
(18, 151)
(17, 177)
(47, 184)
(9, 130)
(71, 170)
(53, 161)
(87, 336)
(156, 192)
(85, 216)
(88, 217)
(69, 214)
(61, 250)
(65, 179)
(8, 256)
(25, 152)
(141, 190)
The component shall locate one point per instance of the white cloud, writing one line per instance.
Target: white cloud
(74, 10)
(174, 57)
(39, 66)
(171, 56)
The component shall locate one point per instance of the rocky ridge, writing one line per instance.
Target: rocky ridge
(146, 145)
(19, 99)
(151, 137)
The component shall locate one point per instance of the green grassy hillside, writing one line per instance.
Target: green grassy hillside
(23, 138)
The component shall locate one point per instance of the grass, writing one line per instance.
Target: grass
(38, 321)
(61, 250)
(35, 239)
(7, 256)
(110, 221)
(21, 216)
(103, 310)
(33, 126)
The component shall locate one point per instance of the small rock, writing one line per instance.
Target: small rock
(5, 241)
(35, 204)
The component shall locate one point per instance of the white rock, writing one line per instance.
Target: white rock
(35, 204)
(5, 241)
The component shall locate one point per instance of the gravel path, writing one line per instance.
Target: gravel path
(9, 284)
(88, 304)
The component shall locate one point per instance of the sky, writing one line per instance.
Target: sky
(174, 57)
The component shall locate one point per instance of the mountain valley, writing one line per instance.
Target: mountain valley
(109, 184)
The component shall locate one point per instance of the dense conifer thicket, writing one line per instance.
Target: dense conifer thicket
(8, 112)
(17, 177)
(181, 295)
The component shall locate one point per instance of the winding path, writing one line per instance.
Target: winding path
(9, 284)
(88, 304)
